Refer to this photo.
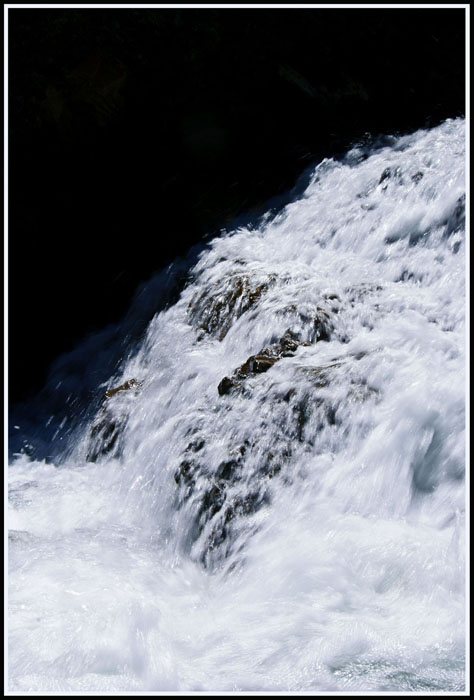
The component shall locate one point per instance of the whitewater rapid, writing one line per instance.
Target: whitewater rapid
(301, 525)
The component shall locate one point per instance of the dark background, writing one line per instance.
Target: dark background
(135, 133)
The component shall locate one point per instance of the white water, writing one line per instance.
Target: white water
(345, 571)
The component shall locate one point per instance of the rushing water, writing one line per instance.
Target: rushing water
(302, 527)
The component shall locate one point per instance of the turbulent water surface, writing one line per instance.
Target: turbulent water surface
(271, 495)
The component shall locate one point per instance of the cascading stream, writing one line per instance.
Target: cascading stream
(271, 496)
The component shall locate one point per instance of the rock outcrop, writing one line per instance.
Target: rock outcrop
(111, 420)
(261, 362)
(213, 312)
(225, 476)
(130, 384)
(318, 327)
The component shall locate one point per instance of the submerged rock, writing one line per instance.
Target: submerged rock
(214, 312)
(110, 422)
(417, 177)
(219, 496)
(262, 361)
(104, 437)
(226, 474)
(394, 174)
(457, 218)
(310, 322)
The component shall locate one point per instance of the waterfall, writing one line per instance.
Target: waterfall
(267, 492)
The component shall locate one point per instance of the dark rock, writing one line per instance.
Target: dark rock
(259, 363)
(214, 313)
(196, 445)
(321, 329)
(104, 436)
(312, 323)
(390, 174)
(220, 495)
(358, 292)
(227, 469)
(456, 219)
(190, 466)
(266, 358)
(109, 424)
(225, 385)
(130, 384)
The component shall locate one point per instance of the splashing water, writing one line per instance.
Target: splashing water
(271, 495)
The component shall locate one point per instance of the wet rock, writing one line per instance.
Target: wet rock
(218, 495)
(225, 385)
(359, 292)
(190, 468)
(457, 219)
(228, 469)
(257, 364)
(321, 329)
(390, 174)
(318, 376)
(214, 313)
(110, 422)
(228, 512)
(360, 391)
(311, 323)
(130, 384)
(104, 437)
